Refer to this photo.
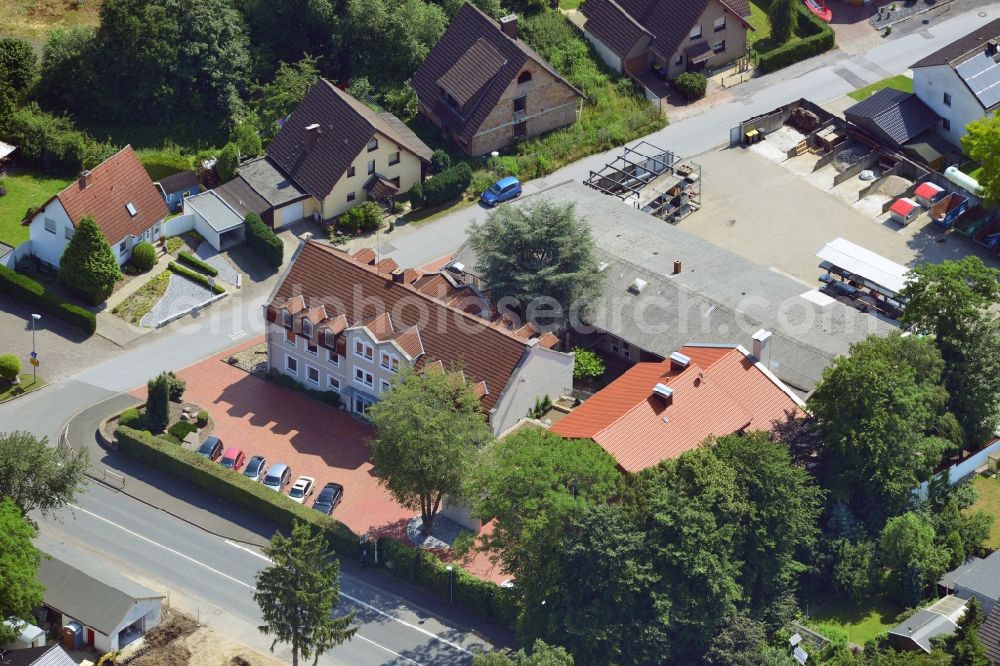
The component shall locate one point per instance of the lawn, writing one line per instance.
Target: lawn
(26, 386)
(570, 4)
(974, 169)
(860, 621)
(32, 19)
(989, 501)
(898, 82)
(24, 189)
(138, 305)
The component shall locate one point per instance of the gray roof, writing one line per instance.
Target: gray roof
(87, 591)
(719, 297)
(922, 626)
(892, 115)
(45, 655)
(243, 198)
(982, 578)
(180, 181)
(270, 182)
(962, 46)
(219, 215)
(989, 634)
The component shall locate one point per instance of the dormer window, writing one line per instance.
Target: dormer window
(286, 318)
(524, 77)
(307, 328)
(373, 144)
(329, 339)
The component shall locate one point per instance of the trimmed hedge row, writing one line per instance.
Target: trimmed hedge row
(26, 290)
(263, 240)
(232, 486)
(447, 185)
(197, 277)
(425, 569)
(196, 262)
(820, 40)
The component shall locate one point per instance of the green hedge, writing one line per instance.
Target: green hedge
(197, 277)
(425, 569)
(263, 240)
(232, 486)
(195, 262)
(447, 185)
(820, 40)
(26, 290)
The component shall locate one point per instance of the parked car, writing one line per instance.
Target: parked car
(233, 458)
(329, 498)
(256, 467)
(211, 448)
(504, 189)
(279, 476)
(302, 489)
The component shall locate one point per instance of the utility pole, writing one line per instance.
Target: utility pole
(34, 354)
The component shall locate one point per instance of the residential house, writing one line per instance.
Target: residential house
(672, 36)
(332, 154)
(961, 81)
(989, 635)
(43, 655)
(660, 409)
(349, 324)
(486, 89)
(901, 121)
(979, 578)
(102, 607)
(176, 187)
(121, 197)
(939, 619)
(664, 287)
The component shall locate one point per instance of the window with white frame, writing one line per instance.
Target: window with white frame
(364, 377)
(312, 375)
(121, 247)
(312, 348)
(719, 25)
(696, 32)
(390, 362)
(363, 349)
(333, 383)
(719, 47)
(291, 365)
(50, 225)
(329, 338)
(332, 357)
(385, 386)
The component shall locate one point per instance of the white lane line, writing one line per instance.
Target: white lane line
(396, 654)
(381, 612)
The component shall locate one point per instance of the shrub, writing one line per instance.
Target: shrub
(447, 185)
(440, 161)
(181, 429)
(202, 418)
(263, 240)
(144, 256)
(196, 277)
(10, 367)
(821, 39)
(691, 84)
(368, 216)
(196, 262)
(481, 180)
(47, 142)
(229, 160)
(506, 166)
(175, 387)
(397, 208)
(130, 418)
(416, 195)
(587, 364)
(235, 488)
(158, 403)
(26, 290)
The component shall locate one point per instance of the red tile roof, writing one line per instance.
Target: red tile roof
(365, 255)
(322, 274)
(722, 391)
(114, 183)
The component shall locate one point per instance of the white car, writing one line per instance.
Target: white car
(302, 489)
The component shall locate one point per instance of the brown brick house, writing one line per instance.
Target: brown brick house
(485, 88)
(675, 35)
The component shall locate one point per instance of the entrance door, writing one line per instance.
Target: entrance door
(361, 405)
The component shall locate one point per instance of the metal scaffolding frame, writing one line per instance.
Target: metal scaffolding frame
(630, 172)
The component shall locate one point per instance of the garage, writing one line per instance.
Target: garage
(214, 219)
(290, 214)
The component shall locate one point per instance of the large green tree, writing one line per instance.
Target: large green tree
(36, 476)
(391, 38)
(428, 427)
(966, 648)
(20, 591)
(18, 63)
(782, 17)
(538, 251)
(982, 144)
(283, 32)
(908, 549)
(541, 654)
(67, 72)
(950, 300)
(298, 592)
(282, 94)
(88, 266)
(878, 411)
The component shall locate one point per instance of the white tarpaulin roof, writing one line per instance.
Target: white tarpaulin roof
(6, 149)
(856, 259)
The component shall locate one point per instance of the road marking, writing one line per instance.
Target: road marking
(236, 335)
(396, 654)
(368, 606)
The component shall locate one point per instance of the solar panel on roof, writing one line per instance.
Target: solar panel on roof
(982, 74)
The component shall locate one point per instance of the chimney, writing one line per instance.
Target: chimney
(508, 25)
(677, 266)
(679, 361)
(992, 47)
(762, 347)
(84, 179)
(398, 275)
(312, 135)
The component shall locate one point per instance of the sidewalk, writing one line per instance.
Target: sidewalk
(138, 283)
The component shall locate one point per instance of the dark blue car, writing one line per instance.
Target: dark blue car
(504, 189)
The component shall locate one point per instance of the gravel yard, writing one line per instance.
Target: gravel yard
(181, 294)
(208, 254)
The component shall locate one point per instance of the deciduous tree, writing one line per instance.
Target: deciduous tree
(966, 647)
(982, 143)
(88, 266)
(38, 476)
(228, 162)
(428, 428)
(389, 40)
(907, 547)
(282, 94)
(298, 592)
(542, 654)
(18, 63)
(20, 591)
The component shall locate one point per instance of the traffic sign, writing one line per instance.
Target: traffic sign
(33, 354)
(34, 362)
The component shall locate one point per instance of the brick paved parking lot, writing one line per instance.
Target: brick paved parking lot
(312, 438)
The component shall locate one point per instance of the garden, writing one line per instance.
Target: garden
(855, 621)
(14, 383)
(24, 188)
(781, 38)
(988, 491)
(165, 414)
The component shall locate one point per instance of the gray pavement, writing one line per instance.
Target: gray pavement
(180, 295)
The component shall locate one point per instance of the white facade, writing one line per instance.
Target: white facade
(943, 90)
(144, 615)
(541, 372)
(607, 55)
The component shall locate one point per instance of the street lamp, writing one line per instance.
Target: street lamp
(451, 584)
(34, 354)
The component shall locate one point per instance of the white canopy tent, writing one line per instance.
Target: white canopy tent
(861, 262)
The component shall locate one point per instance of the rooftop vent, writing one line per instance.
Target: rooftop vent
(664, 391)
(637, 286)
(130, 207)
(992, 47)
(679, 361)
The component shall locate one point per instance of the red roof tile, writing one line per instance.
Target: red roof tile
(114, 183)
(386, 266)
(722, 391)
(365, 255)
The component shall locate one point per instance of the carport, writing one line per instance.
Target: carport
(215, 219)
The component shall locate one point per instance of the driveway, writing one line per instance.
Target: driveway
(312, 438)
